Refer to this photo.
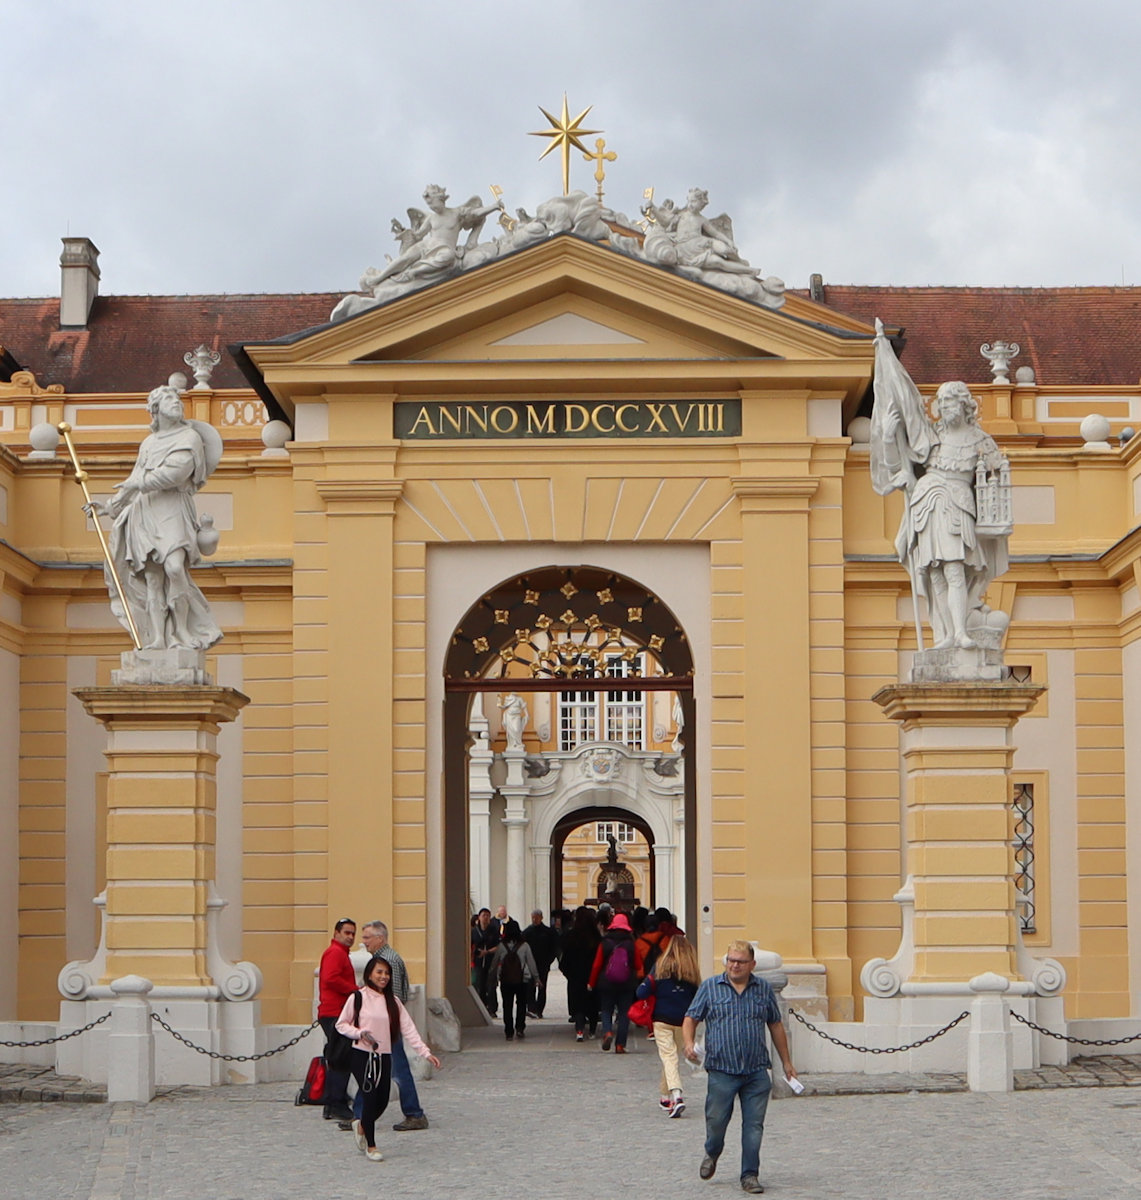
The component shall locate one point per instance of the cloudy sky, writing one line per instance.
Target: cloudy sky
(264, 145)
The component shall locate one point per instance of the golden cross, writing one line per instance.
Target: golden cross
(564, 134)
(600, 154)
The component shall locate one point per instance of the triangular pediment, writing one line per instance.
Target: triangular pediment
(560, 302)
(569, 329)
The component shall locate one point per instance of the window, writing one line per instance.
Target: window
(1023, 805)
(606, 716)
(623, 833)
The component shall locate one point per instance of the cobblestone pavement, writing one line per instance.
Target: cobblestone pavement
(556, 1120)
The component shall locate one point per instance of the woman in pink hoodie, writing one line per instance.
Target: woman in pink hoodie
(371, 1024)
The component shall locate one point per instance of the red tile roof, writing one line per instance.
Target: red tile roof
(1070, 336)
(133, 343)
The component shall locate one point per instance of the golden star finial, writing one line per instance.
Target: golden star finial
(565, 133)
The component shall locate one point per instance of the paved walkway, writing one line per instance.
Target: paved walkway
(556, 1121)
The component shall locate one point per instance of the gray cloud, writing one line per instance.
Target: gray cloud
(264, 145)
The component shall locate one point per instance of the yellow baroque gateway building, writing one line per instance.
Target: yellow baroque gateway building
(566, 548)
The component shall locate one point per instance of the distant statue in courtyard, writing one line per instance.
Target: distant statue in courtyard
(155, 536)
(514, 719)
(956, 484)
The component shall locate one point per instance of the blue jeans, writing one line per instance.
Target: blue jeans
(721, 1090)
(405, 1084)
(614, 1005)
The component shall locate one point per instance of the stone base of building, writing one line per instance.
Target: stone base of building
(218, 1025)
(903, 1019)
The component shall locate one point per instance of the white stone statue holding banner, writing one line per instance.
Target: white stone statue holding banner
(155, 538)
(956, 517)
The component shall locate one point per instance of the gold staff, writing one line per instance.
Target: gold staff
(81, 479)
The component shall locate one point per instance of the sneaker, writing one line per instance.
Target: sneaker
(619, 1049)
(359, 1137)
(606, 1041)
(708, 1166)
(338, 1112)
(579, 1037)
(420, 1122)
(750, 1183)
(374, 1155)
(345, 1126)
(677, 1107)
(665, 1102)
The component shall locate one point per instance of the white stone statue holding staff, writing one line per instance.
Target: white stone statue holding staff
(155, 537)
(944, 467)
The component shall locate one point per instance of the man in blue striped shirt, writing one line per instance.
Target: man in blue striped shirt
(736, 1006)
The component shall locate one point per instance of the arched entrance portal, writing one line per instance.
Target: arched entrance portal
(599, 815)
(583, 631)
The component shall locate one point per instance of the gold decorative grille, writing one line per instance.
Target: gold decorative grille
(567, 623)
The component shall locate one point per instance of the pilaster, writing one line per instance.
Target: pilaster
(778, 716)
(957, 750)
(161, 803)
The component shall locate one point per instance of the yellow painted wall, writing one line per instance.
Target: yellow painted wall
(801, 844)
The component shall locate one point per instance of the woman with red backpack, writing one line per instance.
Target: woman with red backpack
(673, 984)
(614, 976)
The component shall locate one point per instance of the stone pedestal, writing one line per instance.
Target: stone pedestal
(159, 908)
(516, 819)
(957, 751)
(161, 758)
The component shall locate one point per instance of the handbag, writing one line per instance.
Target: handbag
(339, 1049)
(339, 1052)
(641, 1012)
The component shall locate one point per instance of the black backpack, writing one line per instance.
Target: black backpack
(511, 969)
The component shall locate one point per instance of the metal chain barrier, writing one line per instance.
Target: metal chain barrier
(1075, 1041)
(232, 1057)
(880, 1049)
(63, 1036)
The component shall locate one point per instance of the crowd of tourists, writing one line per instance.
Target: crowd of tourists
(614, 964)
(619, 968)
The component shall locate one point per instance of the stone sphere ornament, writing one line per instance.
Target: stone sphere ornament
(1095, 432)
(860, 430)
(274, 435)
(44, 440)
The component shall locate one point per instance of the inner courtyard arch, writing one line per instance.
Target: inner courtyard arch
(612, 645)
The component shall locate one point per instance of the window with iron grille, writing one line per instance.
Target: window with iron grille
(1023, 844)
(609, 716)
(578, 718)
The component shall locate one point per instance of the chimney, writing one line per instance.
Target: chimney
(79, 270)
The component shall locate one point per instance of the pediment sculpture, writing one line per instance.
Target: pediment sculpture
(679, 239)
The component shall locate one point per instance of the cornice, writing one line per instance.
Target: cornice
(360, 497)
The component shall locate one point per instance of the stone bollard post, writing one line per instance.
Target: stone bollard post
(131, 1044)
(769, 971)
(990, 1043)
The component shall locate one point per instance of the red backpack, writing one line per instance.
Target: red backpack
(313, 1089)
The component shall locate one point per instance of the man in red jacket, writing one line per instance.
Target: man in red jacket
(336, 982)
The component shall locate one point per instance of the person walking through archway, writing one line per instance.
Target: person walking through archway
(673, 983)
(579, 948)
(614, 976)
